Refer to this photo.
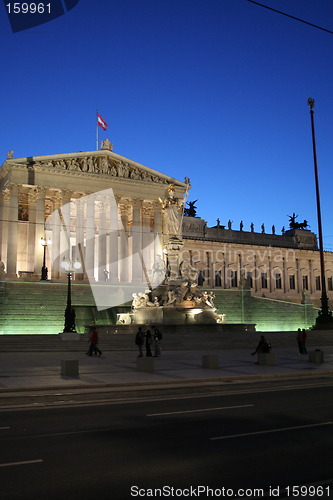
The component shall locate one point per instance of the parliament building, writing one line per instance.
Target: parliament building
(99, 215)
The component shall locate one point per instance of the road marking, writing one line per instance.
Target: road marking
(4, 428)
(197, 411)
(282, 429)
(27, 462)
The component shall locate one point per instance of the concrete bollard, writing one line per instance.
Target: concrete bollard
(145, 364)
(210, 361)
(70, 367)
(316, 356)
(266, 358)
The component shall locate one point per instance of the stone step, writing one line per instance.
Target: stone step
(186, 340)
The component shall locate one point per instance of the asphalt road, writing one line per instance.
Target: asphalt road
(249, 444)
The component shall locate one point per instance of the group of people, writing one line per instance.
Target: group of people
(151, 340)
(265, 346)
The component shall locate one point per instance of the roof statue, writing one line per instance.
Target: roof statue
(191, 210)
(106, 144)
(297, 225)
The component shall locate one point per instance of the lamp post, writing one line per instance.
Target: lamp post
(44, 242)
(324, 318)
(70, 267)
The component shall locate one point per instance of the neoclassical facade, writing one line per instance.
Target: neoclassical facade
(105, 211)
(96, 207)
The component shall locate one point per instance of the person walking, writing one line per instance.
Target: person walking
(301, 338)
(304, 335)
(139, 340)
(93, 339)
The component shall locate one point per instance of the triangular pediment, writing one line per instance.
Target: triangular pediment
(101, 163)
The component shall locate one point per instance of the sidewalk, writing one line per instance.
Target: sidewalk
(26, 371)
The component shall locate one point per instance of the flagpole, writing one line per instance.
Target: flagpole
(96, 129)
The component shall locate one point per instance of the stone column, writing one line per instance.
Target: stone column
(90, 238)
(79, 235)
(312, 278)
(55, 227)
(12, 232)
(123, 254)
(32, 197)
(146, 250)
(102, 241)
(158, 250)
(136, 242)
(39, 230)
(65, 243)
(285, 276)
(113, 243)
(4, 217)
(299, 283)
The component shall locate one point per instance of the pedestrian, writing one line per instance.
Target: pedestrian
(304, 334)
(149, 341)
(263, 346)
(139, 340)
(157, 336)
(299, 338)
(93, 339)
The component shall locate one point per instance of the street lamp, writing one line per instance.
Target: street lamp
(324, 318)
(44, 242)
(70, 267)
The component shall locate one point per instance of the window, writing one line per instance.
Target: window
(330, 283)
(218, 279)
(318, 285)
(305, 283)
(249, 280)
(263, 280)
(278, 281)
(292, 285)
(201, 278)
(233, 278)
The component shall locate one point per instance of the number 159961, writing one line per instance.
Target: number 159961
(28, 8)
(308, 491)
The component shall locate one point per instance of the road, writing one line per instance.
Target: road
(251, 440)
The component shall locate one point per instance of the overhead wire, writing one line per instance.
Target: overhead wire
(292, 17)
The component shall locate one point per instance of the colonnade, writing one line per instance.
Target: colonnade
(116, 239)
(285, 272)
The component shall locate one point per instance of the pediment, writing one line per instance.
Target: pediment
(101, 163)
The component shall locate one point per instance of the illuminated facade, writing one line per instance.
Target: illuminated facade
(64, 200)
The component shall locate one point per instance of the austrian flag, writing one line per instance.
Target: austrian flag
(102, 123)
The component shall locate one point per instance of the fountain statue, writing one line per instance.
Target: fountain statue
(174, 296)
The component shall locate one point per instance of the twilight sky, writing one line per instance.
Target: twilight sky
(215, 90)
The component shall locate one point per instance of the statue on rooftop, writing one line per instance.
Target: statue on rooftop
(191, 210)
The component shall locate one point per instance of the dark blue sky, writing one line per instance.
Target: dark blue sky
(215, 90)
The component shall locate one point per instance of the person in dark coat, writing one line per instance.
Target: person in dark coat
(149, 341)
(93, 339)
(139, 340)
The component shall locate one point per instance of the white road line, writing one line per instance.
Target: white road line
(27, 462)
(282, 429)
(197, 411)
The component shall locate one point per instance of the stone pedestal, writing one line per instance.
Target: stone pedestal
(316, 356)
(210, 361)
(145, 364)
(70, 368)
(266, 358)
